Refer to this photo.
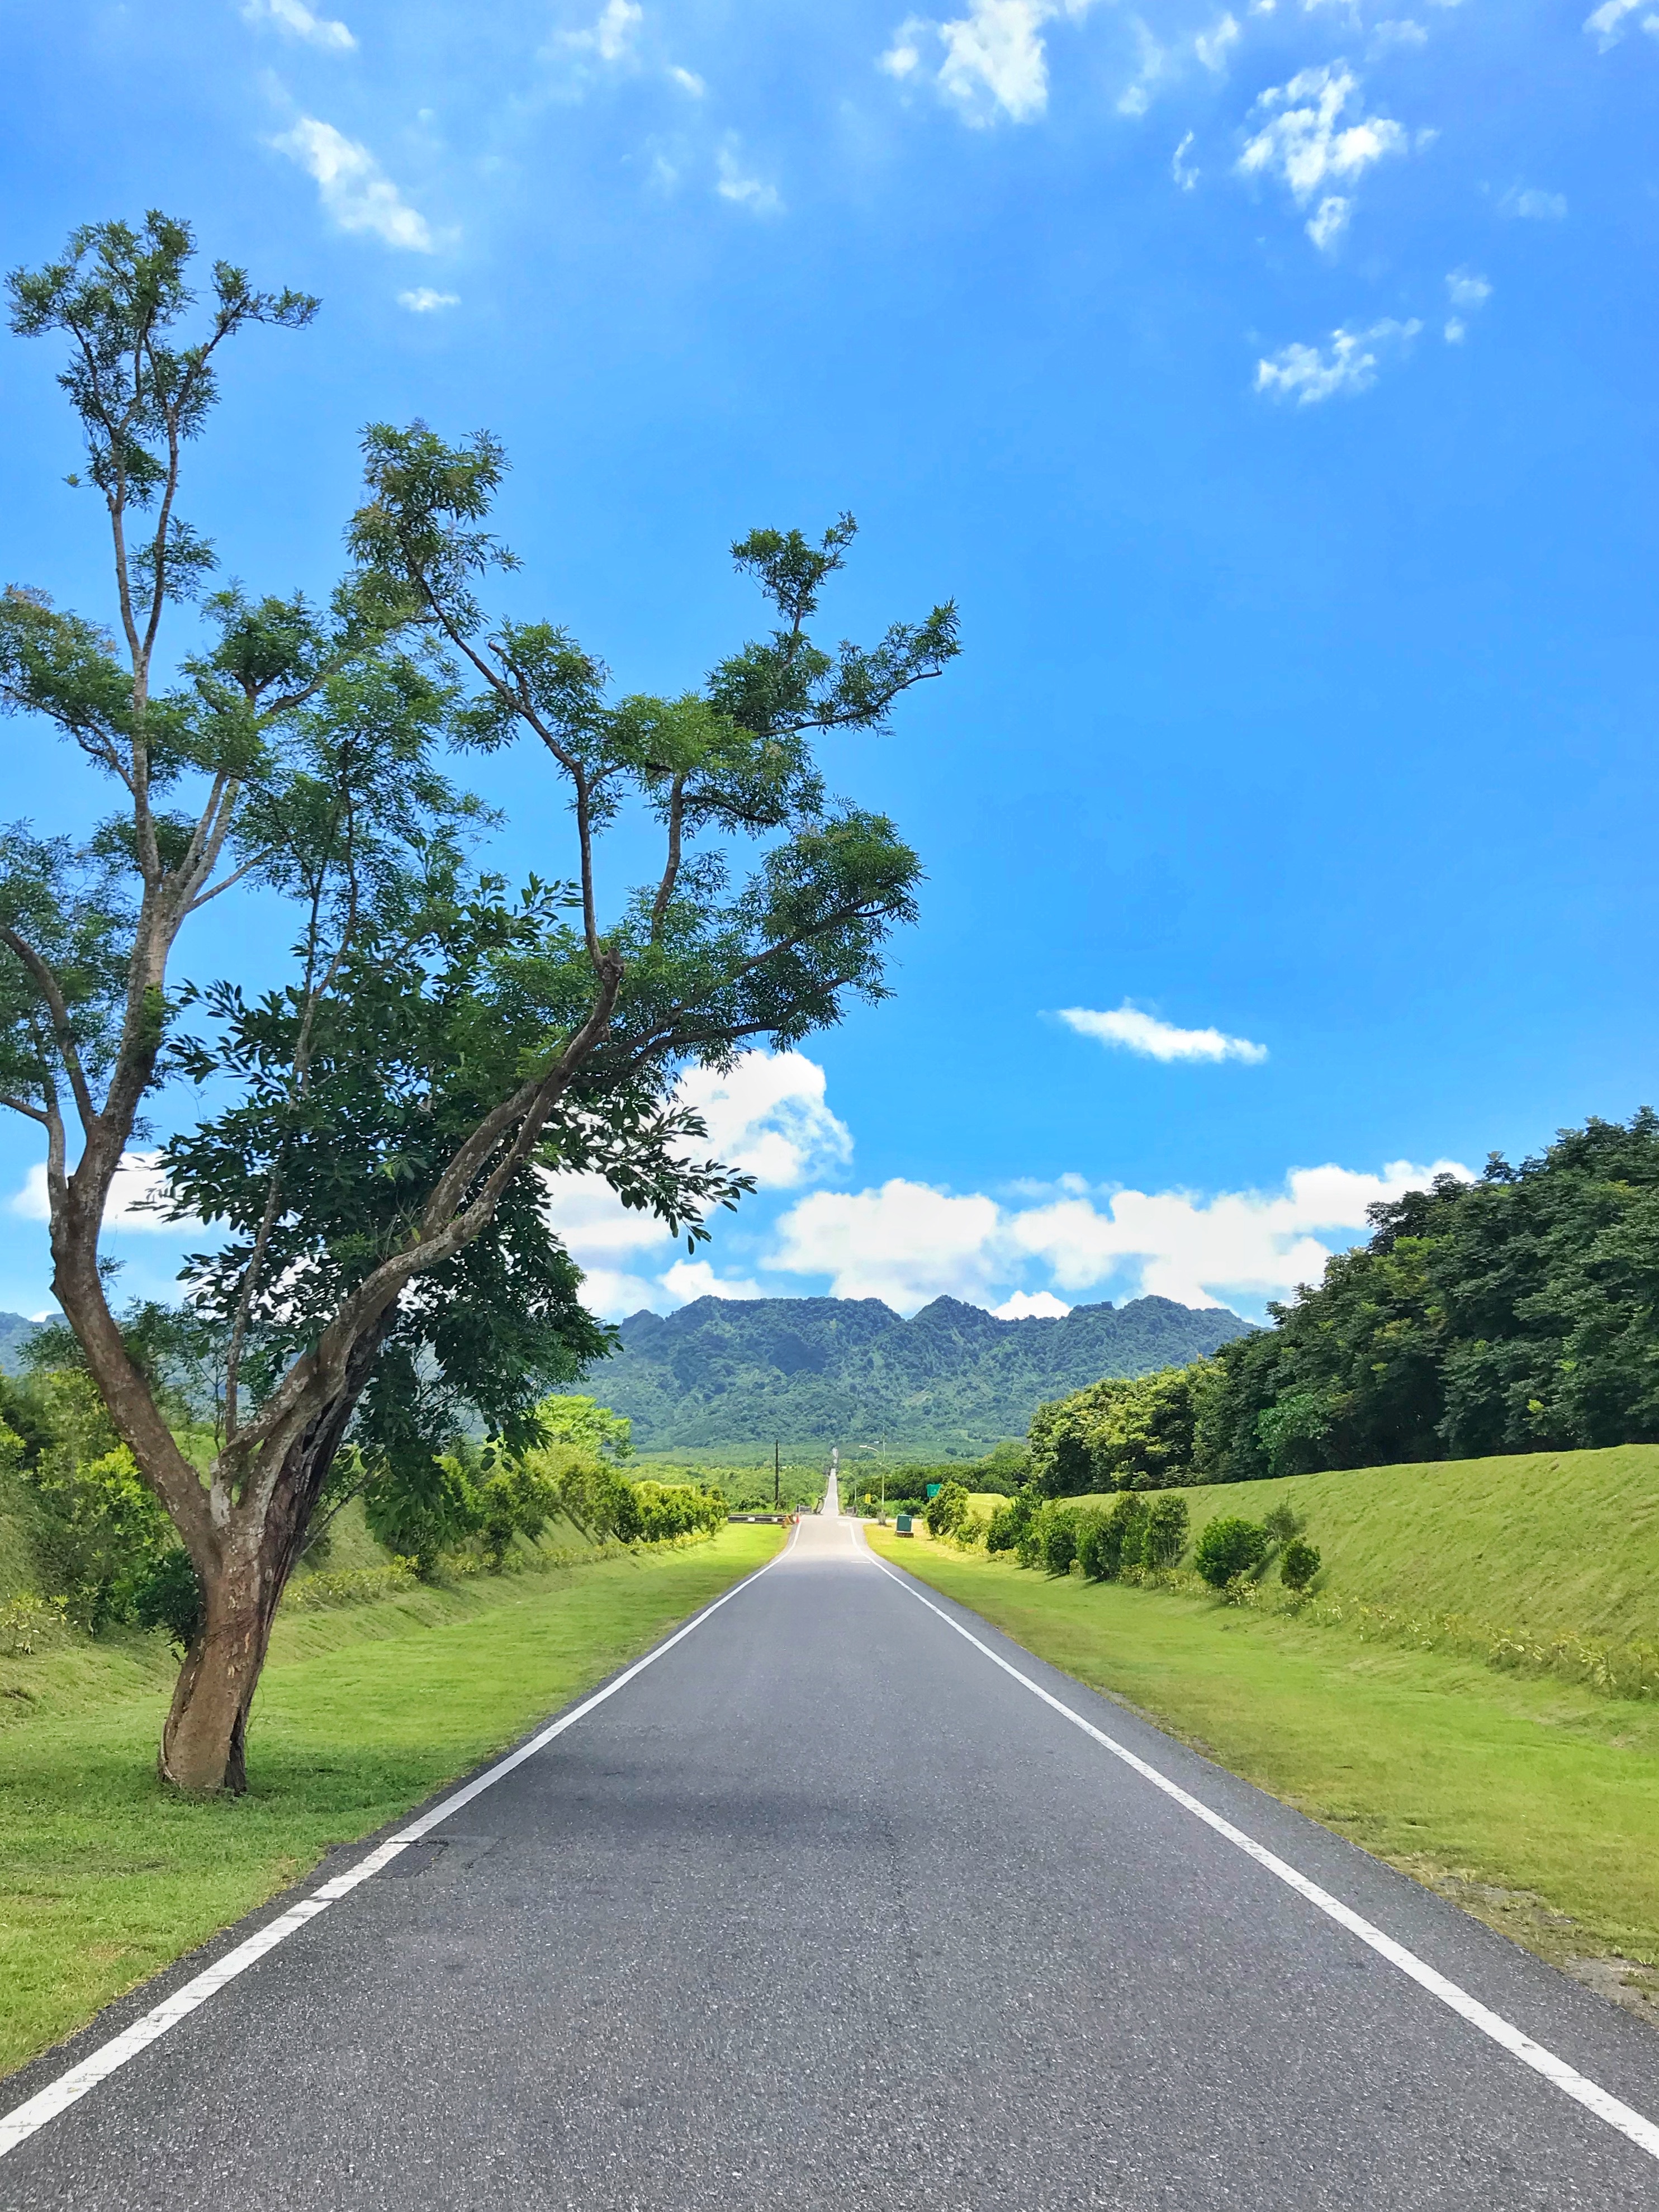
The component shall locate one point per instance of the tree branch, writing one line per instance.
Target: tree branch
(46, 983)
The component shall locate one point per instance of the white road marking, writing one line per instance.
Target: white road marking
(18, 2125)
(1630, 2124)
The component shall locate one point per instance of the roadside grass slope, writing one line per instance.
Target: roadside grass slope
(364, 1710)
(1540, 1544)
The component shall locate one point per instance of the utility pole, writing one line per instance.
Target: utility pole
(777, 1476)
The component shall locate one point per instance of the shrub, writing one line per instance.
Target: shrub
(947, 1509)
(1228, 1548)
(167, 1594)
(1010, 1522)
(1059, 1538)
(1166, 1531)
(1283, 1523)
(1098, 1546)
(1298, 1563)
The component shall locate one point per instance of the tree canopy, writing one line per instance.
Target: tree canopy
(380, 1131)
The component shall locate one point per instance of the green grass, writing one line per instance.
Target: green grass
(1535, 1803)
(363, 1711)
(1542, 1544)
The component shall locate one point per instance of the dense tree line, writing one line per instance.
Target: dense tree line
(1514, 1313)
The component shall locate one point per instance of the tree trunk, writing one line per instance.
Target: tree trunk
(203, 1742)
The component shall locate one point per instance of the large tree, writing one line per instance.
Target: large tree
(385, 1123)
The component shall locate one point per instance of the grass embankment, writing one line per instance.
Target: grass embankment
(363, 1710)
(1532, 1800)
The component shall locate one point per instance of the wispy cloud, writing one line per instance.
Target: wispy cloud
(1392, 38)
(733, 182)
(1609, 22)
(296, 21)
(423, 301)
(1328, 223)
(353, 187)
(138, 1199)
(1185, 175)
(687, 81)
(991, 62)
(1532, 205)
(1348, 365)
(1467, 293)
(610, 37)
(1134, 1031)
(1311, 135)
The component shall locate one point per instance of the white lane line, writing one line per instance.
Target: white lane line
(1630, 2124)
(17, 2126)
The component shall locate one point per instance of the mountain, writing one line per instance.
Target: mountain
(15, 1333)
(723, 1372)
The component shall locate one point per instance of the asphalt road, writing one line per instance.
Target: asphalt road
(824, 1910)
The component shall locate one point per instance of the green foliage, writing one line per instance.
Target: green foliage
(102, 1543)
(947, 1509)
(1298, 1562)
(1057, 1538)
(1009, 1523)
(1166, 1531)
(1124, 1433)
(1228, 1548)
(1517, 1313)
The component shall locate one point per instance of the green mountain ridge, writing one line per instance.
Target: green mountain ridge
(727, 1373)
(15, 1330)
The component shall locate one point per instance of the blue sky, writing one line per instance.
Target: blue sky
(1273, 388)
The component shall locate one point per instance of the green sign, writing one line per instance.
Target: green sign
(934, 1488)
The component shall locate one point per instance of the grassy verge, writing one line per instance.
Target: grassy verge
(1534, 1803)
(363, 1710)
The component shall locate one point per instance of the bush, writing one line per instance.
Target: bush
(1058, 1537)
(947, 1509)
(1166, 1531)
(1230, 1547)
(167, 1595)
(1110, 1542)
(1298, 1563)
(1010, 1522)
(1283, 1523)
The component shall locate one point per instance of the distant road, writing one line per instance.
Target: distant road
(825, 1909)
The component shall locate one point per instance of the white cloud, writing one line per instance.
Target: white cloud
(131, 1207)
(1144, 1033)
(423, 301)
(767, 1115)
(1329, 221)
(992, 61)
(1305, 140)
(1609, 22)
(1181, 169)
(1392, 38)
(687, 81)
(1533, 205)
(1026, 1305)
(1467, 292)
(906, 1243)
(745, 190)
(296, 19)
(1212, 47)
(1197, 1251)
(611, 38)
(352, 186)
(696, 1279)
(1307, 374)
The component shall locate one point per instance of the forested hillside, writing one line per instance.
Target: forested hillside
(723, 1372)
(1517, 1313)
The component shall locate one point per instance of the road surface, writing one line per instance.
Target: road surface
(824, 1908)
